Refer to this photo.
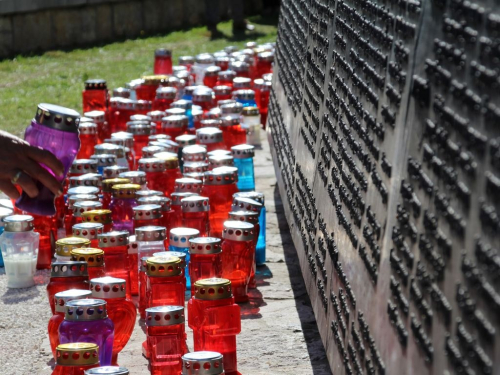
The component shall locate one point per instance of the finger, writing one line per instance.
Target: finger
(39, 173)
(9, 189)
(28, 185)
(45, 157)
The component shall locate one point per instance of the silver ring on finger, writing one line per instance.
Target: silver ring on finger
(16, 177)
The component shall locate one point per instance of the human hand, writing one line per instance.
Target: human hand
(20, 165)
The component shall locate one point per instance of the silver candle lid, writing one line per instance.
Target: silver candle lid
(231, 108)
(140, 117)
(230, 120)
(150, 233)
(238, 231)
(186, 140)
(107, 370)
(163, 52)
(242, 83)
(168, 144)
(179, 237)
(227, 75)
(125, 139)
(195, 204)
(112, 239)
(202, 363)
(121, 92)
(202, 95)
(148, 193)
(262, 85)
(205, 245)
(243, 151)
(220, 161)
(18, 223)
(222, 90)
(136, 177)
(239, 66)
(85, 310)
(175, 112)
(83, 166)
(241, 203)
(174, 122)
(68, 269)
(245, 94)
(182, 103)
(188, 185)
(212, 71)
(96, 116)
(87, 230)
(83, 206)
(204, 58)
(208, 135)
(244, 215)
(147, 212)
(168, 93)
(164, 202)
(156, 115)
(87, 128)
(221, 176)
(95, 84)
(195, 167)
(108, 287)
(152, 165)
(177, 197)
(218, 153)
(72, 199)
(113, 171)
(57, 117)
(266, 56)
(104, 160)
(149, 151)
(186, 60)
(161, 316)
(83, 190)
(211, 123)
(111, 149)
(132, 247)
(255, 195)
(177, 254)
(140, 129)
(61, 298)
(194, 153)
(87, 179)
(158, 137)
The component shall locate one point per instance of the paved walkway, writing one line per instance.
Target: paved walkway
(279, 333)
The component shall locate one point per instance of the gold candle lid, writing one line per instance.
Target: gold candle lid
(107, 185)
(212, 289)
(94, 257)
(77, 354)
(125, 190)
(97, 216)
(163, 266)
(65, 245)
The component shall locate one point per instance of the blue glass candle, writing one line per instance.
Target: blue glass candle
(243, 160)
(186, 105)
(179, 241)
(260, 250)
(4, 211)
(245, 97)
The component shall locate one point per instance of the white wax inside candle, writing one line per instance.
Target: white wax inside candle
(20, 271)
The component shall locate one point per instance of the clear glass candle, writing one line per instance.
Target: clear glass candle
(76, 358)
(243, 160)
(205, 259)
(86, 320)
(116, 262)
(179, 241)
(150, 239)
(64, 276)
(122, 206)
(251, 122)
(215, 320)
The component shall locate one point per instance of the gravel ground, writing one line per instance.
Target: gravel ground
(279, 333)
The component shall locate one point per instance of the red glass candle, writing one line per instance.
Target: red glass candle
(195, 167)
(60, 300)
(264, 63)
(163, 61)
(64, 246)
(93, 257)
(238, 256)
(226, 78)
(46, 227)
(133, 264)
(156, 117)
(122, 206)
(174, 125)
(115, 247)
(219, 186)
(262, 91)
(215, 320)
(241, 83)
(211, 138)
(147, 214)
(222, 92)
(194, 153)
(65, 276)
(203, 97)
(216, 161)
(241, 68)
(88, 139)
(155, 173)
(176, 205)
(76, 358)
(206, 259)
(165, 282)
(165, 96)
(88, 231)
(103, 128)
(141, 132)
(195, 214)
(143, 284)
(76, 217)
(107, 189)
(137, 178)
(211, 76)
(121, 310)
(166, 210)
(187, 185)
(222, 62)
(166, 339)
(113, 172)
(121, 92)
(103, 217)
(172, 172)
(186, 61)
(146, 90)
(95, 95)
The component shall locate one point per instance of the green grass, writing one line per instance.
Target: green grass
(57, 76)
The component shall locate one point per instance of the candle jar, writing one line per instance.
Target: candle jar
(264, 63)
(86, 320)
(65, 245)
(103, 161)
(199, 167)
(113, 172)
(172, 171)
(186, 61)
(246, 97)
(121, 310)
(179, 241)
(107, 189)
(174, 125)
(4, 212)
(141, 132)
(122, 206)
(222, 92)
(112, 149)
(98, 117)
(187, 106)
(103, 217)
(76, 217)
(60, 300)
(194, 153)
(116, 262)
(93, 257)
(88, 179)
(215, 320)
(165, 282)
(108, 370)
(137, 178)
(45, 227)
(226, 77)
(222, 62)
(156, 117)
(241, 83)
(146, 90)
(65, 276)
(121, 92)
(215, 161)
(219, 186)
(166, 339)
(250, 121)
(147, 215)
(260, 250)
(205, 259)
(125, 140)
(88, 139)
(211, 77)
(241, 68)
(243, 160)
(166, 211)
(165, 96)
(188, 185)
(197, 118)
(133, 262)
(195, 214)
(54, 129)
(202, 363)
(262, 92)
(143, 283)
(238, 256)
(150, 240)
(88, 231)
(184, 140)
(201, 63)
(176, 205)
(95, 95)
(155, 172)
(212, 138)
(163, 61)
(203, 97)
(76, 358)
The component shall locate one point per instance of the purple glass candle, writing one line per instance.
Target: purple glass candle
(54, 129)
(87, 321)
(122, 206)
